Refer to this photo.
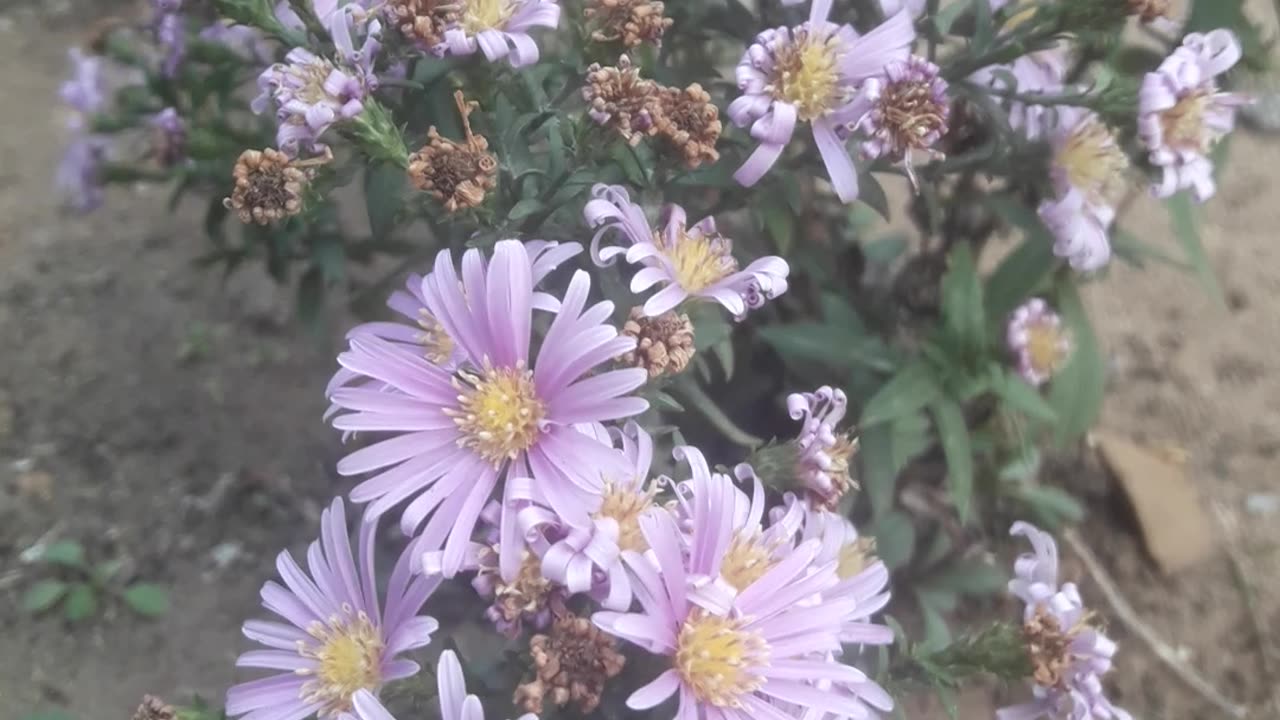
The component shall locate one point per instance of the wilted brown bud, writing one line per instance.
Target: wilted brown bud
(423, 21)
(268, 186)
(1148, 10)
(690, 122)
(664, 344)
(632, 22)
(619, 99)
(459, 175)
(571, 664)
(1048, 647)
(153, 708)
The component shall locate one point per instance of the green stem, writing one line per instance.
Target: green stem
(714, 415)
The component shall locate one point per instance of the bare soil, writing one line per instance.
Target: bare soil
(168, 420)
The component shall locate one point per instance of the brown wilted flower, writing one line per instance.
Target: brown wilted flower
(619, 99)
(269, 185)
(632, 22)
(571, 664)
(663, 343)
(690, 122)
(1048, 647)
(153, 708)
(1148, 10)
(459, 175)
(423, 21)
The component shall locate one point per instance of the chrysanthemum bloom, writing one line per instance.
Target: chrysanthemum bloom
(452, 437)
(422, 21)
(84, 91)
(1087, 168)
(620, 100)
(631, 22)
(1038, 341)
(910, 111)
(693, 261)
(862, 577)
(169, 133)
(500, 29)
(337, 639)
(689, 122)
(811, 73)
(735, 657)
(458, 174)
(171, 36)
(664, 344)
(455, 703)
(571, 664)
(78, 179)
(1182, 115)
(1068, 656)
(823, 454)
(268, 186)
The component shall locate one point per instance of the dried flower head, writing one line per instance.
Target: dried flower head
(620, 100)
(268, 186)
(631, 22)
(572, 663)
(690, 122)
(422, 21)
(1149, 10)
(664, 344)
(153, 708)
(459, 175)
(528, 598)
(910, 111)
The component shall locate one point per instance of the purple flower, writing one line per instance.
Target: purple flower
(767, 647)
(452, 438)
(1037, 340)
(455, 702)
(248, 43)
(500, 29)
(170, 131)
(84, 92)
(1182, 115)
(171, 36)
(1038, 72)
(823, 455)
(914, 8)
(79, 176)
(337, 639)
(863, 580)
(693, 261)
(909, 111)
(812, 73)
(1087, 169)
(1068, 656)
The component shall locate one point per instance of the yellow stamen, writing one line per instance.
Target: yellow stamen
(717, 658)
(625, 506)
(500, 412)
(747, 560)
(855, 556)
(806, 74)
(1093, 161)
(1046, 348)
(436, 343)
(1184, 124)
(349, 655)
(699, 261)
(486, 14)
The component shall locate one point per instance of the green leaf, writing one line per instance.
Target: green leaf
(1186, 229)
(911, 436)
(984, 26)
(43, 595)
(909, 390)
(970, 576)
(936, 633)
(1129, 248)
(147, 599)
(962, 307)
(879, 476)
(1027, 267)
(1076, 391)
(895, 538)
(780, 224)
(953, 432)
(1021, 396)
(64, 552)
(830, 345)
(311, 291)
(81, 602)
(872, 193)
(384, 185)
(1209, 15)
(1051, 505)
(524, 209)
(947, 16)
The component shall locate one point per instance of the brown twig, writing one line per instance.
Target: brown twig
(1127, 615)
(1261, 626)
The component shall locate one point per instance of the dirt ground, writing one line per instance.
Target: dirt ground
(174, 423)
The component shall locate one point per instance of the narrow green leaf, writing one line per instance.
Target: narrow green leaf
(311, 293)
(895, 538)
(780, 224)
(1076, 391)
(911, 436)
(970, 576)
(1019, 395)
(936, 633)
(947, 16)
(984, 26)
(954, 435)
(872, 193)
(64, 552)
(1052, 506)
(1187, 230)
(962, 307)
(910, 389)
(1027, 267)
(1136, 252)
(384, 185)
(524, 209)
(43, 595)
(147, 599)
(81, 602)
(879, 476)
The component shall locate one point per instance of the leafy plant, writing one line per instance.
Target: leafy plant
(78, 585)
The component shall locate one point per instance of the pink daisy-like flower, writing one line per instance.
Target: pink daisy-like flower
(812, 73)
(693, 261)
(451, 438)
(455, 702)
(337, 639)
(862, 576)
(1038, 341)
(1068, 656)
(1182, 115)
(823, 455)
(500, 29)
(766, 651)
(909, 111)
(1087, 168)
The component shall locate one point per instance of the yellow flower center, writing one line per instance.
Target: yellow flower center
(698, 262)
(485, 14)
(349, 655)
(311, 77)
(854, 557)
(625, 506)
(717, 658)
(806, 74)
(500, 412)
(436, 343)
(1045, 348)
(1093, 161)
(747, 559)
(1184, 124)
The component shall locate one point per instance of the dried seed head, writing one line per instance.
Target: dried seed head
(664, 344)
(423, 21)
(1048, 647)
(571, 664)
(690, 122)
(632, 22)
(268, 186)
(459, 175)
(620, 100)
(1148, 10)
(153, 708)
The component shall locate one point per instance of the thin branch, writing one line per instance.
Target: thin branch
(1127, 615)
(1261, 626)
